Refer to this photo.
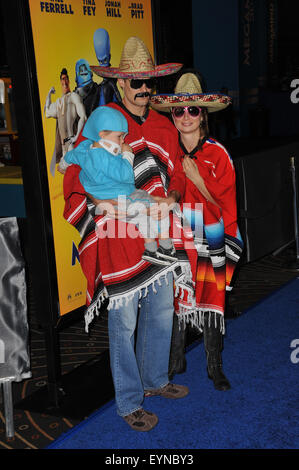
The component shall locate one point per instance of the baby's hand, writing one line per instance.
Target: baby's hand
(126, 148)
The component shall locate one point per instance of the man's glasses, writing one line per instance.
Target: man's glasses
(138, 82)
(193, 111)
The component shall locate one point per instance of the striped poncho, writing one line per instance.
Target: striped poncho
(216, 235)
(112, 265)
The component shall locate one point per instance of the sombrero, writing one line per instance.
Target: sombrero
(136, 62)
(188, 92)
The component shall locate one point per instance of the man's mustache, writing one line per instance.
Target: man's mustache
(142, 95)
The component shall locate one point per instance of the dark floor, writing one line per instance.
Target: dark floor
(86, 381)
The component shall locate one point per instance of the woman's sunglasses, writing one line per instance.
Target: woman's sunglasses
(193, 111)
(138, 82)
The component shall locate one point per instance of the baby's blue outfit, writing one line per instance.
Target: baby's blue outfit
(102, 175)
(107, 176)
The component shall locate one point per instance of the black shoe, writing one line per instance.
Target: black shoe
(155, 258)
(169, 254)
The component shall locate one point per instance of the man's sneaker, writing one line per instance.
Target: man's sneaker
(154, 258)
(169, 254)
(169, 391)
(141, 420)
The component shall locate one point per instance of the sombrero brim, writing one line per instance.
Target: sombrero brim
(158, 71)
(212, 101)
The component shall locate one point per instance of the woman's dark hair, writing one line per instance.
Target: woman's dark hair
(204, 125)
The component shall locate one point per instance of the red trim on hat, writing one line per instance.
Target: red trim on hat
(158, 71)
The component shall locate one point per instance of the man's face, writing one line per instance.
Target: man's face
(136, 96)
(65, 84)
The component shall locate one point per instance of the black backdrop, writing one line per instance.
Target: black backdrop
(265, 199)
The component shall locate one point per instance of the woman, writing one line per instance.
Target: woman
(207, 196)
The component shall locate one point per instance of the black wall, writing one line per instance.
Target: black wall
(173, 36)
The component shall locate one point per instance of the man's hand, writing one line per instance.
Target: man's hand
(61, 170)
(108, 207)
(163, 206)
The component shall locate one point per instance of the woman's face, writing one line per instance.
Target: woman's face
(187, 124)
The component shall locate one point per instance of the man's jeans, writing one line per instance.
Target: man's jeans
(148, 368)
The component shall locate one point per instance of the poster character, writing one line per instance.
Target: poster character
(69, 112)
(96, 94)
(87, 89)
(109, 90)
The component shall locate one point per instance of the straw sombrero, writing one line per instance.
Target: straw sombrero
(188, 92)
(136, 62)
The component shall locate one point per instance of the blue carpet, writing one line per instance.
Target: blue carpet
(261, 411)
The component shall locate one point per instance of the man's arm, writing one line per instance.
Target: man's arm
(107, 206)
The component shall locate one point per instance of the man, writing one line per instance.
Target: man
(139, 370)
(69, 112)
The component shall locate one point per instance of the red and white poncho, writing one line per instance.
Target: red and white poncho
(112, 265)
(216, 235)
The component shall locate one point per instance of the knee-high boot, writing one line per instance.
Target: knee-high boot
(177, 359)
(213, 341)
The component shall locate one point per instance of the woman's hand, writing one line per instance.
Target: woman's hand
(192, 172)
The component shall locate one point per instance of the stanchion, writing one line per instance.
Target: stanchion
(294, 265)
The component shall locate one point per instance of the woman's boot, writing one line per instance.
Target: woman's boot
(177, 359)
(213, 342)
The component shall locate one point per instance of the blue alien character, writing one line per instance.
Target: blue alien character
(109, 90)
(95, 94)
(89, 90)
(101, 42)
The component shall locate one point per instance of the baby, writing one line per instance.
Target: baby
(107, 173)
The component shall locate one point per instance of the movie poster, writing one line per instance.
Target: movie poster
(70, 36)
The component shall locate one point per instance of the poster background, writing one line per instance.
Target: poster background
(60, 40)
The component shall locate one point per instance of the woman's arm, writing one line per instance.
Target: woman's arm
(191, 170)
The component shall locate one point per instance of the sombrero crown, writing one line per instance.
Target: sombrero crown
(188, 92)
(136, 62)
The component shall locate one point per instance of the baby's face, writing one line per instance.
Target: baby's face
(116, 137)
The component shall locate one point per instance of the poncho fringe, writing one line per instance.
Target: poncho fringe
(116, 301)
